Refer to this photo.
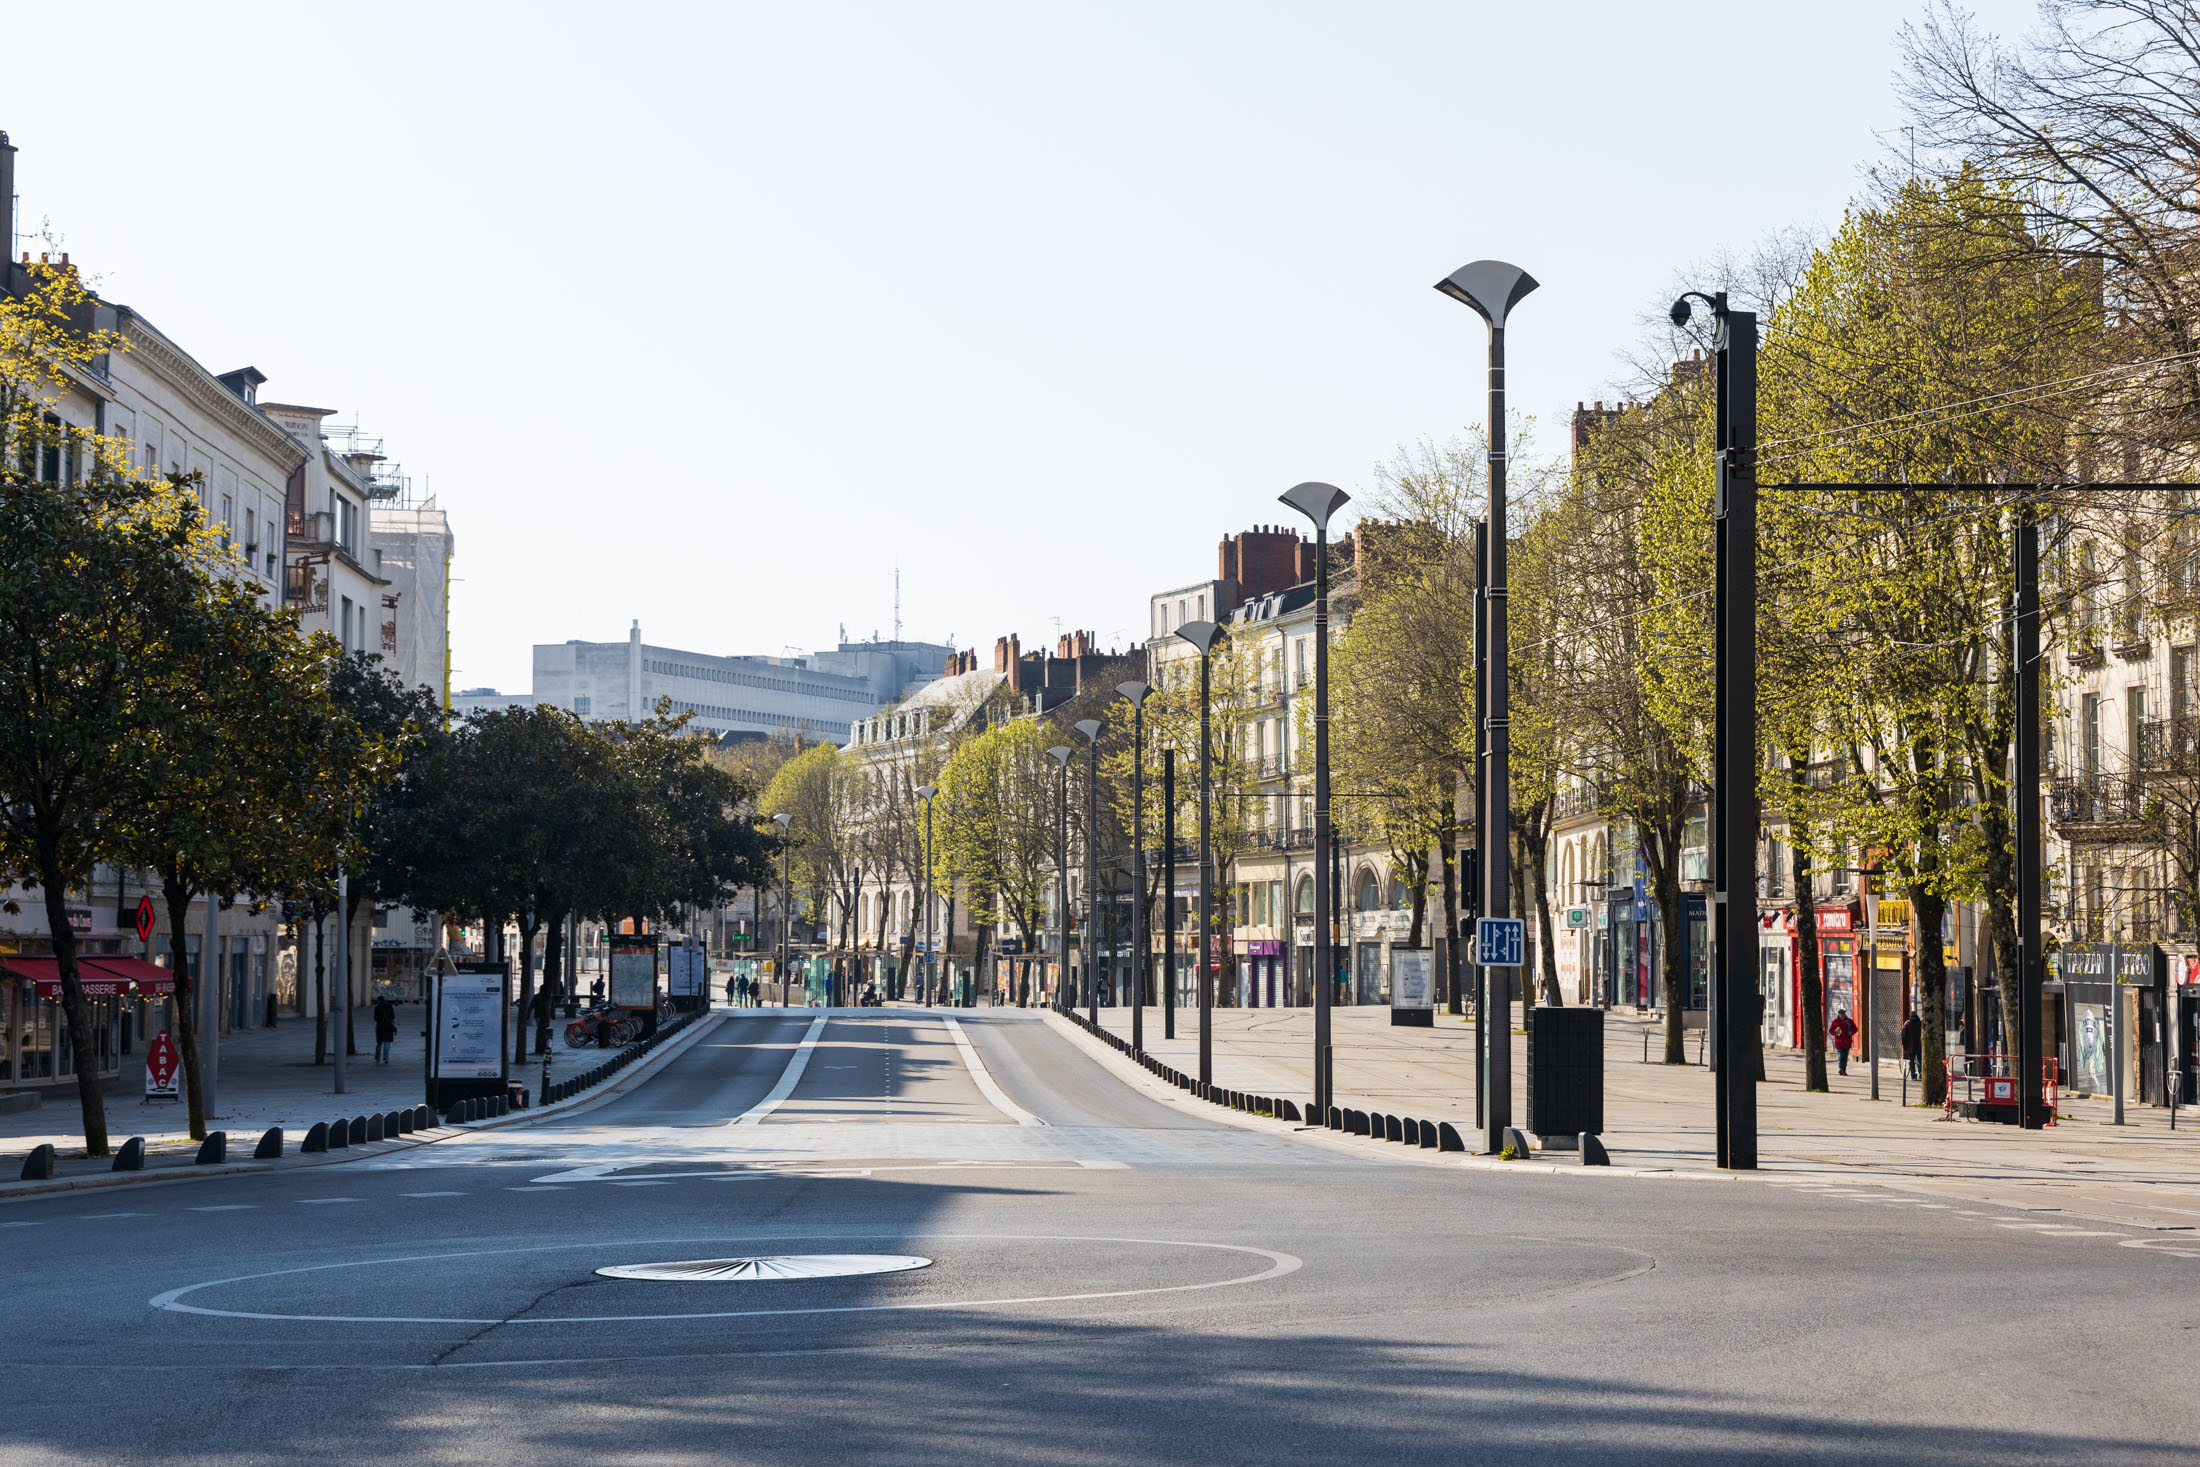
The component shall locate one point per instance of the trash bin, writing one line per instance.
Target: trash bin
(1565, 1071)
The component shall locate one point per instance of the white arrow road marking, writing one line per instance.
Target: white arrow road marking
(986, 1084)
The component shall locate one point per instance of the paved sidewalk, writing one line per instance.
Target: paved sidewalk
(268, 1078)
(1659, 1116)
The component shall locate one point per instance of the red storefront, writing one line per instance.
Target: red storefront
(1837, 961)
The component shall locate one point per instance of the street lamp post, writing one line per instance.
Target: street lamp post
(1137, 693)
(786, 907)
(1204, 635)
(1062, 753)
(1168, 893)
(1493, 288)
(1091, 729)
(927, 791)
(1318, 502)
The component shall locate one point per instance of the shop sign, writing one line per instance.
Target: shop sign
(1577, 919)
(163, 1068)
(1835, 919)
(145, 919)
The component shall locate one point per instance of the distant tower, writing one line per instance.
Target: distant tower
(634, 673)
(897, 603)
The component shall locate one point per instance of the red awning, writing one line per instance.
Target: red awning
(102, 977)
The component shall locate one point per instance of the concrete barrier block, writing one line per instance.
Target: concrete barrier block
(316, 1138)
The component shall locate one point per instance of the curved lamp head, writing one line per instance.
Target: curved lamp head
(1062, 754)
(1135, 692)
(927, 791)
(781, 821)
(1201, 634)
(1316, 501)
(1492, 287)
(1091, 729)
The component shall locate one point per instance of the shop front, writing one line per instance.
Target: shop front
(1776, 978)
(2117, 1005)
(1265, 983)
(128, 997)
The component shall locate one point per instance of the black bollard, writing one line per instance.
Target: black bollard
(214, 1150)
(423, 1117)
(358, 1130)
(131, 1158)
(38, 1166)
(1447, 1137)
(316, 1138)
(374, 1128)
(271, 1145)
(339, 1134)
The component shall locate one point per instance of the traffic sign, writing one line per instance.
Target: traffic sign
(163, 1064)
(145, 919)
(1500, 942)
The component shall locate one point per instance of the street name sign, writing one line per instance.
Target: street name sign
(1500, 942)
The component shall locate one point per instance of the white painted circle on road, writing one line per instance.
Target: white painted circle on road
(1279, 1264)
(773, 1266)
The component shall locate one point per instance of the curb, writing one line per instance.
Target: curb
(172, 1176)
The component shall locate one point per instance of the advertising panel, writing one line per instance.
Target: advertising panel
(633, 972)
(469, 1025)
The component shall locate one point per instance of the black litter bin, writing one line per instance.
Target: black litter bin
(1565, 1071)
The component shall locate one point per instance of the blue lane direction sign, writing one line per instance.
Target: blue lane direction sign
(1500, 942)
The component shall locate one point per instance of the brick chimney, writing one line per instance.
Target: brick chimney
(1263, 559)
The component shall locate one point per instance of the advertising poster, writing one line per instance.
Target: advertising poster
(684, 972)
(1412, 979)
(469, 1026)
(634, 973)
(2089, 1055)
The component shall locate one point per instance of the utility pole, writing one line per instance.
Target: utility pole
(2031, 864)
(1734, 755)
(1168, 893)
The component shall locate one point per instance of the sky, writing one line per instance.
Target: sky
(716, 315)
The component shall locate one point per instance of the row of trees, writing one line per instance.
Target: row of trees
(156, 715)
(2013, 311)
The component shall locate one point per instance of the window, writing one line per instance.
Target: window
(343, 625)
(1367, 893)
(1260, 904)
(1401, 895)
(2089, 733)
(1305, 901)
(581, 704)
(2135, 724)
(1275, 902)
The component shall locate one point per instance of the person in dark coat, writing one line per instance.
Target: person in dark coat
(1843, 1033)
(1913, 1043)
(385, 1028)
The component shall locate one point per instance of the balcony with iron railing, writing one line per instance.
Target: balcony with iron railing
(2095, 799)
(2170, 745)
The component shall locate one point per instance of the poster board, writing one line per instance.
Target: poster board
(1412, 987)
(467, 1043)
(633, 972)
(685, 972)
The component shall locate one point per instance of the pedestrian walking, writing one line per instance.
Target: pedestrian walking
(385, 1028)
(743, 982)
(1843, 1033)
(1913, 1043)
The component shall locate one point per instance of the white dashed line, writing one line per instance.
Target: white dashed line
(431, 1194)
(228, 1207)
(314, 1201)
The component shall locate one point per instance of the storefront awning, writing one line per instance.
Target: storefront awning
(102, 977)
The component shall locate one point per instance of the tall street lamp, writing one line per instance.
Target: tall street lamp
(1137, 693)
(926, 792)
(1318, 502)
(1062, 753)
(1091, 729)
(1168, 893)
(1204, 635)
(1493, 288)
(786, 909)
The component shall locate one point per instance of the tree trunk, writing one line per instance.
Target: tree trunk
(529, 925)
(179, 898)
(1538, 851)
(2001, 919)
(1807, 960)
(351, 975)
(320, 990)
(553, 980)
(1455, 1000)
(1929, 907)
(1664, 861)
(75, 1009)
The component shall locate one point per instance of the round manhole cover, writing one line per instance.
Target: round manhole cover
(777, 1266)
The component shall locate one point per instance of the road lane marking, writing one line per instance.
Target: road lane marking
(790, 1078)
(986, 1085)
(229, 1207)
(313, 1201)
(97, 1216)
(431, 1194)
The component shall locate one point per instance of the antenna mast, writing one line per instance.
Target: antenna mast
(897, 603)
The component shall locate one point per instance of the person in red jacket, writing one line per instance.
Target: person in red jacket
(1843, 1032)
